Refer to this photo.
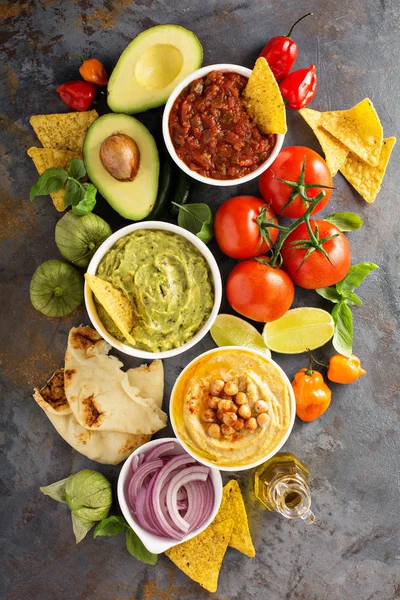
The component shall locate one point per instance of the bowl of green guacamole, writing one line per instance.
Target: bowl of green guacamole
(170, 282)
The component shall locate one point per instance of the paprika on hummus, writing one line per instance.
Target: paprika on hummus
(232, 407)
(168, 282)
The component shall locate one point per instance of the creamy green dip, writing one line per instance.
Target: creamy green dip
(168, 282)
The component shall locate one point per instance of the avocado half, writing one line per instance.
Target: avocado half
(131, 199)
(151, 66)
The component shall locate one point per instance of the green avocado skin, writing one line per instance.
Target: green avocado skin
(138, 100)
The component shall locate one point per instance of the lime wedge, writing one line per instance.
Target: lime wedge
(233, 331)
(298, 330)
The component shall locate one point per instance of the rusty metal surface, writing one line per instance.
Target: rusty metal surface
(352, 550)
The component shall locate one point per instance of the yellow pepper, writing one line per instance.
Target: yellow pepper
(343, 369)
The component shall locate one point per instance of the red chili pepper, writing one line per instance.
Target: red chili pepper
(298, 88)
(78, 95)
(281, 52)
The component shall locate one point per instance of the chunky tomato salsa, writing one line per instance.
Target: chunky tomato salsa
(211, 131)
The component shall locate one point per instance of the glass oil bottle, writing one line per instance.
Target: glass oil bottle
(282, 484)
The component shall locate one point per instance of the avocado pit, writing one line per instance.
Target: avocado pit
(120, 156)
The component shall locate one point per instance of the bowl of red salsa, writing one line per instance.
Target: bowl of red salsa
(208, 132)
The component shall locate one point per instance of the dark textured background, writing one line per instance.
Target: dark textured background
(352, 549)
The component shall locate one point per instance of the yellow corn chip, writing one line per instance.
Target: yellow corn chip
(263, 99)
(65, 131)
(115, 303)
(365, 179)
(44, 158)
(358, 128)
(335, 152)
(232, 507)
(201, 557)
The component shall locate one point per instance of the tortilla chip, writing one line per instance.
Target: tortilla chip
(232, 507)
(365, 179)
(201, 557)
(263, 99)
(44, 158)
(335, 152)
(65, 131)
(358, 128)
(115, 303)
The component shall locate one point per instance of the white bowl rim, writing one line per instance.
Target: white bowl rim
(155, 543)
(170, 147)
(272, 452)
(162, 226)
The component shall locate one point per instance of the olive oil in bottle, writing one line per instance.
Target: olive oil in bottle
(282, 485)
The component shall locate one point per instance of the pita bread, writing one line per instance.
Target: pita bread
(99, 392)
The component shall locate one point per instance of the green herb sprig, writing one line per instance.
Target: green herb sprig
(80, 196)
(196, 218)
(114, 525)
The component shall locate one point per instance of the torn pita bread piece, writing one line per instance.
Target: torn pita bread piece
(64, 131)
(107, 447)
(45, 158)
(99, 392)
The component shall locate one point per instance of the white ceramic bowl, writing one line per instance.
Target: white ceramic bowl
(107, 245)
(167, 137)
(155, 543)
(266, 456)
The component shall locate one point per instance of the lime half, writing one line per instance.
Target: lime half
(234, 331)
(298, 330)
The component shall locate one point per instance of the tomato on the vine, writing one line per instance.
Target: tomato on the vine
(319, 260)
(241, 229)
(300, 168)
(258, 291)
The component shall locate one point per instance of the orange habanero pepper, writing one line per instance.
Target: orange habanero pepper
(312, 394)
(343, 369)
(93, 70)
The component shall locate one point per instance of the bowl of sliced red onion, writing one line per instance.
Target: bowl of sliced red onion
(166, 495)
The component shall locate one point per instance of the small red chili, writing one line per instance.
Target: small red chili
(281, 52)
(298, 88)
(77, 95)
(92, 70)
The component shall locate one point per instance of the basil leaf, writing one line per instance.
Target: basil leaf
(329, 293)
(76, 168)
(56, 491)
(73, 193)
(80, 529)
(196, 218)
(352, 299)
(112, 525)
(345, 221)
(136, 548)
(343, 336)
(355, 276)
(51, 180)
(88, 202)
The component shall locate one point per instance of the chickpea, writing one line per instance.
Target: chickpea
(213, 402)
(241, 398)
(220, 416)
(235, 407)
(239, 424)
(208, 416)
(263, 419)
(227, 431)
(251, 424)
(245, 411)
(214, 431)
(261, 406)
(229, 419)
(225, 405)
(216, 387)
(231, 388)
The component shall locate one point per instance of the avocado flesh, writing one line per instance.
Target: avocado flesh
(151, 66)
(131, 199)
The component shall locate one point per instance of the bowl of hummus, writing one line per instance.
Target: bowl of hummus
(170, 281)
(232, 408)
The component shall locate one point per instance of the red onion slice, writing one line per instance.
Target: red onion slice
(194, 473)
(139, 476)
(159, 450)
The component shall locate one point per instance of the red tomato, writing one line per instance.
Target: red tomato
(317, 271)
(288, 166)
(237, 231)
(258, 291)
